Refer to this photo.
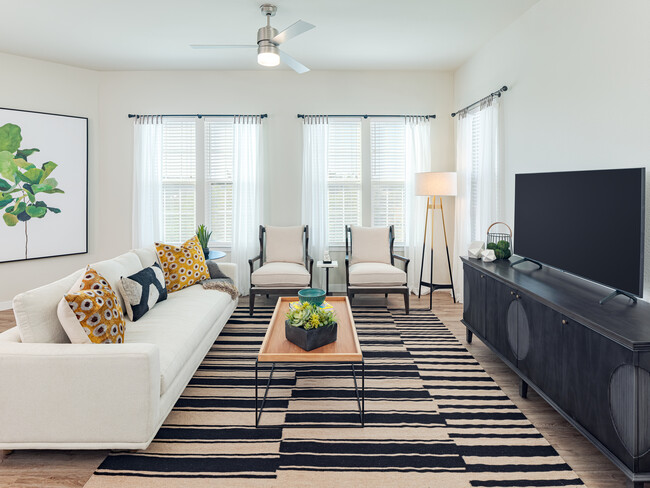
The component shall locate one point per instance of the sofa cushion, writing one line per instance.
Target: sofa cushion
(182, 265)
(90, 312)
(370, 245)
(281, 275)
(148, 256)
(35, 311)
(376, 274)
(113, 269)
(285, 244)
(142, 290)
(177, 326)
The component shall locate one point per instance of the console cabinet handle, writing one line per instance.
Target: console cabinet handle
(565, 322)
(512, 292)
(518, 297)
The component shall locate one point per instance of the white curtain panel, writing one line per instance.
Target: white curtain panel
(247, 195)
(418, 159)
(314, 188)
(147, 181)
(479, 202)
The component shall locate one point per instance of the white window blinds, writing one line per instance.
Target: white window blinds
(178, 179)
(343, 177)
(388, 174)
(219, 156)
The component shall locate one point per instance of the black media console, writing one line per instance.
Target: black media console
(590, 362)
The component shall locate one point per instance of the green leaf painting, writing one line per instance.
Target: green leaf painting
(21, 181)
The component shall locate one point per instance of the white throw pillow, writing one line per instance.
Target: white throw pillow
(284, 245)
(370, 245)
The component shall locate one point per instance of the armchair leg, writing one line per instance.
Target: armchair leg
(251, 303)
(406, 301)
(386, 295)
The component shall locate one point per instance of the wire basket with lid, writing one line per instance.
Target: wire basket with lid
(496, 237)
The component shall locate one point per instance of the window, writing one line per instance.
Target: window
(366, 175)
(343, 177)
(218, 179)
(178, 179)
(388, 174)
(193, 172)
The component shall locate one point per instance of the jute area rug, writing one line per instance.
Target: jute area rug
(434, 418)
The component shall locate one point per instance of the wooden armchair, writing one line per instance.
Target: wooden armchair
(285, 266)
(370, 263)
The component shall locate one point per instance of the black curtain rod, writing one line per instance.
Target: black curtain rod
(493, 94)
(195, 115)
(365, 116)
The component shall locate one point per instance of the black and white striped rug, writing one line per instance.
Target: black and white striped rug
(433, 418)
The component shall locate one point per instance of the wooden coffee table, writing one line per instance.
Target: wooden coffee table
(277, 349)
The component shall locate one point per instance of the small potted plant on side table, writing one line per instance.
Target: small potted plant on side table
(204, 239)
(309, 326)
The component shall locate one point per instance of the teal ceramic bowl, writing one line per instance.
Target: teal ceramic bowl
(315, 296)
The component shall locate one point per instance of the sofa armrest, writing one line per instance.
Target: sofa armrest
(78, 395)
(230, 270)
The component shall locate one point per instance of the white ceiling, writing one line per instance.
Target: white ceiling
(349, 34)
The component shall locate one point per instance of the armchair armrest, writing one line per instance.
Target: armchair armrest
(251, 261)
(406, 262)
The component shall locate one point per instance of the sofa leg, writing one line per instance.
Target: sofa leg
(406, 301)
(4, 453)
(251, 303)
(386, 295)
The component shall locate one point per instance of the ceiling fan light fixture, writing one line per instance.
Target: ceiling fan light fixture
(268, 56)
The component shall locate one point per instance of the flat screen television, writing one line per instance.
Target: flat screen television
(588, 223)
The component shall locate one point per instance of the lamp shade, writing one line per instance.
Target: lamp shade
(435, 184)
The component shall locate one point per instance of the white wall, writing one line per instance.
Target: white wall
(107, 97)
(280, 93)
(578, 76)
(48, 87)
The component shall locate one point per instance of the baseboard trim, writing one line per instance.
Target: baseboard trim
(5, 305)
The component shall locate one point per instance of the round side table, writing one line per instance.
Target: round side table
(216, 255)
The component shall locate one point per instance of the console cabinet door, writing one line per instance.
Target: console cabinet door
(501, 312)
(540, 348)
(474, 299)
(602, 389)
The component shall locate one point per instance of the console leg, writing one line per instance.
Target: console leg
(634, 484)
(468, 336)
(523, 389)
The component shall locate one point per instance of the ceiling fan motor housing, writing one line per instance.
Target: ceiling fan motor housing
(264, 43)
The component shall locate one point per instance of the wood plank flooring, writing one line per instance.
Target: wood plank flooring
(36, 469)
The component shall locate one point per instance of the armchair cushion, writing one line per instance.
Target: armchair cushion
(370, 245)
(376, 274)
(285, 244)
(281, 275)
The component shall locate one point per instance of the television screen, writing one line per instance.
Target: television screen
(589, 223)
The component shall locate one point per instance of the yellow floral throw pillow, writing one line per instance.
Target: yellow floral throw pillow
(91, 312)
(182, 266)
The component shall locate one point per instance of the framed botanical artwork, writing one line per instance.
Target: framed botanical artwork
(43, 185)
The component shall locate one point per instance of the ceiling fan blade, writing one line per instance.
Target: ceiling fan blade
(297, 66)
(221, 46)
(292, 31)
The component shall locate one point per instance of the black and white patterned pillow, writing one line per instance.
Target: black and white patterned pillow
(142, 290)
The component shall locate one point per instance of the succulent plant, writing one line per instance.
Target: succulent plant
(310, 316)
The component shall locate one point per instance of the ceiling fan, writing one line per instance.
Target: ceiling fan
(268, 40)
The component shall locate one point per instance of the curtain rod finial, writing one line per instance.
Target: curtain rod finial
(504, 88)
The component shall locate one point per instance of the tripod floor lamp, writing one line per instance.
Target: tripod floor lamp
(434, 186)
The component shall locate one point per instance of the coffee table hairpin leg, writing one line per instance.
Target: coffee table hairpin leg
(266, 391)
(361, 399)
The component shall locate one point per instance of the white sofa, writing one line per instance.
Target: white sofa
(57, 395)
